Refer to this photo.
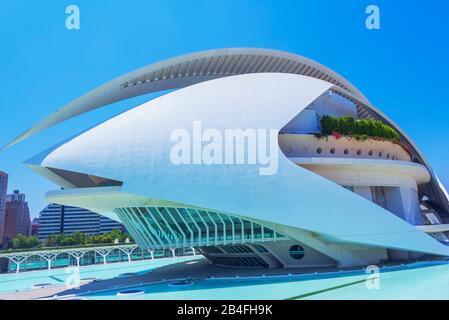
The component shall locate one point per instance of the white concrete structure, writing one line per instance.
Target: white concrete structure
(329, 203)
(50, 255)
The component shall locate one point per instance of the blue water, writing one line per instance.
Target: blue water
(25, 280)
(415, 281)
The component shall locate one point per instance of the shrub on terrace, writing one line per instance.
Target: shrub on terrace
(359, 129)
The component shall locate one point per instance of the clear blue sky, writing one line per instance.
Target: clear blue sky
(402, 68)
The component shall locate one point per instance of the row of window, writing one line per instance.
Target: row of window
(359, 152)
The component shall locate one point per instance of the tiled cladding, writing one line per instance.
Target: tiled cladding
(170, 227)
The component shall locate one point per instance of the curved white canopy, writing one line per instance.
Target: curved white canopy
(136, 148)
(187, 70)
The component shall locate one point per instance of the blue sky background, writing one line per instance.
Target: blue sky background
(402, 68)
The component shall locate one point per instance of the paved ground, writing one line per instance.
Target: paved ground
(196, 269)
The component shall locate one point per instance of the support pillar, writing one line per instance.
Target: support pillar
(17, 267)
(173, 252)
(193, 249)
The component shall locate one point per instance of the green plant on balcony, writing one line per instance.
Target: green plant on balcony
(358, 129)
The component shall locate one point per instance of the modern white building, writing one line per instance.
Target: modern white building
(167, 170)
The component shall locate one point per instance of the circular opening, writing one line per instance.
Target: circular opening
(318, 150)
(333, 150)
(181, 283)
(359, 152)
(370, 153)
(130, 292)
(346, 151)
(296, 252)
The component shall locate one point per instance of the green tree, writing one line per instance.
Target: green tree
(117, 234)
(50, 241)
(78, 238)
(67, 241)
(60, 238)
(34, 242)
(24, 242)
(88, 240)
(19, 242)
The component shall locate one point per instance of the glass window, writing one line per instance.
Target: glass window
(296, 252)
(378, 195)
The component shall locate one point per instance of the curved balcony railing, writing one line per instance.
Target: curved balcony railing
(311, 146)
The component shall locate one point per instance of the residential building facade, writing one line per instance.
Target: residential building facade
(17, 217)
(56, 219)
(3, 192)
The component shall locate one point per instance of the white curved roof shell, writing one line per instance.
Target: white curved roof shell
(259, 79)
(134, 147)
(202, 66)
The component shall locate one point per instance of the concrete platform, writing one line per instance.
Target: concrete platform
(196, 269)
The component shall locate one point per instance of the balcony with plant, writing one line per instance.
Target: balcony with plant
(358, 129)
(347, 137)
